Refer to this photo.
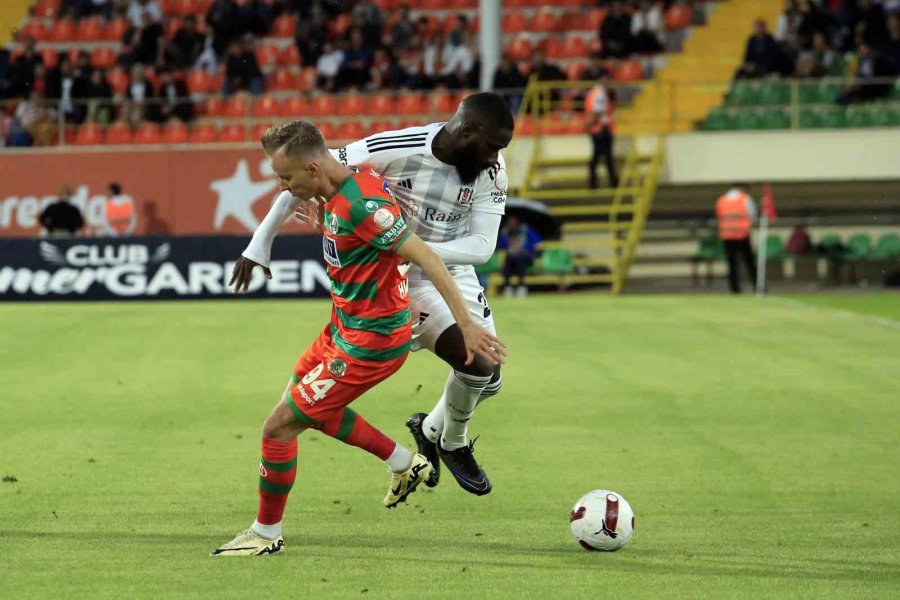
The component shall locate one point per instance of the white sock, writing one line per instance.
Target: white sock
(400, 459)
(433, 424)
(461, 396)
(270, 532)
(492, 389)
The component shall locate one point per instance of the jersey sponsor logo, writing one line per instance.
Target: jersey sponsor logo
(329, 248)
(384, 218)
(464, 196)
(403, 289)
(371, 206)
(342, 156)
(432, 214)
(498, 197)
(394, 232)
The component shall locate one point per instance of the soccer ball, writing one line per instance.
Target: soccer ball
(602, 520)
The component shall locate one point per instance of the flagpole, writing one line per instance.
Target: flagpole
(761, 256)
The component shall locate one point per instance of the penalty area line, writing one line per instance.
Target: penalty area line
(841, 314)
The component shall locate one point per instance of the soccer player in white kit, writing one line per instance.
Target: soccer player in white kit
(450, 182)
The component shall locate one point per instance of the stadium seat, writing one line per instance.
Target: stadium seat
(544, 21)
(576, 125)
(233, 133)
(213, 106)
(266, 107)
(280, 80)
(775, 118)
(327, 129)
(90, 30)
(183, 8)
(858, 116)
(323, 106)
(340, 24)
(831, 118)
(258, 130)
(115, 30)
(493, 265)
(443, 102)
(595, 19)
(829, 245)
(267, 56)
(859, 246)
(628, 70)
(283, 27)
(709, 248)
(198, 82)
(118, 80)
(524, 125)
(575, 70)
(295, 106)
(743, 93)
(551, 47)
(50, 57)
(773, 92)
(237, 106)
(678, 17)
(410, 104)
(380, 126)
(512, 22)
(46, 9)
(406, 124)
(350, 131)
(746, 119)
(306, 81)
(719, 120)
(351, 104)
(117, 133)
(808, 118)
(775, 248)
(175, 132)
(519, 48)
(62, 31)
(380, 104)
(884, 116)
(289, 57)
(146, 133)
(887, 247)
(574, 47)
(103, 58)
(552, 124)
(557, 261)
(203, 134)
(89, 134)
(33, 29)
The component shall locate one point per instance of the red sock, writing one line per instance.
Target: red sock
(352, 429)
(277, 471)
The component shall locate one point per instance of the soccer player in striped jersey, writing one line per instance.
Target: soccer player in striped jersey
(450, 181)
(368, 247)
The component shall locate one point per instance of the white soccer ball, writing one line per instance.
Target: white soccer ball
(602, 520)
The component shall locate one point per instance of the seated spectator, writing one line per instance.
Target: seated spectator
(223, 20)
(65, 85)
(813, 20)
(62, 218)
(820, 61)
(545, 71)
(435, 54)
(5, 72)
(788, 24)
(892, 47)
(508, 77)
(22, 73)
(615, 33)
(867, 86)
(799, 242)
(311, 36)
(143, 41)
(411, 67)
(873, 21)
(366, 16)
(138, 95)
(188, 43)
(381, 70)
(173, 99)
(403, 28)
(242, 70)
(458, 63)
(29, 111)
(520, 243)
(647, 28)
(255, 17)
(329, 66)
(357, 59)
(99, 94)
(139, 9)
(762, 54)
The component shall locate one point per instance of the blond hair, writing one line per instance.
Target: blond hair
(298, 138)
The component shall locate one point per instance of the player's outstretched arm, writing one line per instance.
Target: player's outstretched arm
(478, 340)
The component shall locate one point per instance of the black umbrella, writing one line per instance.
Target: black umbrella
(536, 215)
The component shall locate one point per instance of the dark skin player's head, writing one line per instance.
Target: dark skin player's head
(473, 137)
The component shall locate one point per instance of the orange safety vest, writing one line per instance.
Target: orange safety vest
(594, 103)
(735, 221)
(119, 215)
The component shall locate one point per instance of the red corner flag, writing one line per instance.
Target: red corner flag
(768, 203)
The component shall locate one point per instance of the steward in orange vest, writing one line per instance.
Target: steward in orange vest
(736, 213)
(120, 213)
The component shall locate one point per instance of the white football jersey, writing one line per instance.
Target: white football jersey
(433, 199)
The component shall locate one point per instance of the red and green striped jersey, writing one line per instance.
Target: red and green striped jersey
(363, 224)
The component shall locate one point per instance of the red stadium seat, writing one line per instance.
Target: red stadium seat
(166, 6)
(552, 124)
(118, 133)
(595, 18)
(103, 58)
(574, 47)
(146, 133)
(89, 134)
(410, 104)
(350, 131)
(171, 26)
(306, 81)
(381, 126)
(678, 17)
(50, 57)
(576, 124)
(289, 57)
(33, 29)
(429, 5)
(118, 80)
(62, 31)
(281, 80)
(283, 27)
(380, 104)
(267, 56)
(175, 132)
(519, 48)
(198, 82)
(340, 24)
(545, 20)
(409, 123)
(115, 30)
(233, 133)
(351, 104)
(628, 70)
(236, 106)
(267, 106)
(295, 106)
(575, 70)
(322, 106)
(515, 3)
(443, 102)
(46, 9)
(257, 131)
(386, 4)
(524, 125)
(513, 22)
(551, 47)
(90, 30)
(185, 7)
(203, 134)
(327, 129)
(214, 106)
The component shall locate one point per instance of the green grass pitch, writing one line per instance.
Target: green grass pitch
(757, 440)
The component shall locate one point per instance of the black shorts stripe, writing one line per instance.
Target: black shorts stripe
(397, 146)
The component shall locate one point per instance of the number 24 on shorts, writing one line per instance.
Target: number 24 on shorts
(319, 387)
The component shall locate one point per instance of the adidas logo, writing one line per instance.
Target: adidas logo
(406, 183)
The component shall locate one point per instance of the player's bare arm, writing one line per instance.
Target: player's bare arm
(477, 339)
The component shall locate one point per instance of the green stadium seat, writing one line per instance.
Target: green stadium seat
(775, 118)
(830, 245)
(743, 93)
(858, 116)
(493, 265)
(773, 92)
(808, 93)
(859, 246)
(888, 247)
(709, 248)
(557, 260)
(808, 119)
(774, 248)
(827, 92)
(895, 94)
(718, 120)
(831, 118)
(747, 119)
(883, 115)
